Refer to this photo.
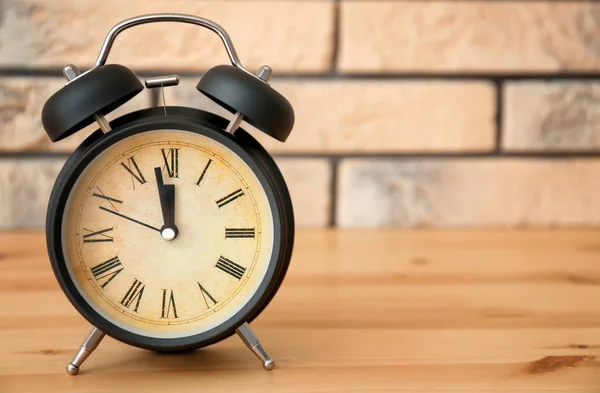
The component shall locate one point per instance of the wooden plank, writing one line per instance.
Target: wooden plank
(427, 311)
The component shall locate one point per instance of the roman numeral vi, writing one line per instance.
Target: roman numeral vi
(168, 304)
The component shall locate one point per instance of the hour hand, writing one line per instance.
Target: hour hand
(166, 193)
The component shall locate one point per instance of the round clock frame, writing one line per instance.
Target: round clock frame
(202, 123)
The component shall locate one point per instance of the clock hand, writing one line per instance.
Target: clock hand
(129, 218)
(166, 193)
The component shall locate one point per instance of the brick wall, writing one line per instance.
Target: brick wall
(409, 113)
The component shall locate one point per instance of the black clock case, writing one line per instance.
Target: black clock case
(208, 124)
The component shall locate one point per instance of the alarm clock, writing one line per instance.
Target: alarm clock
(169, 228)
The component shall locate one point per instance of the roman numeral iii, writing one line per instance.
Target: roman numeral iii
(106, 271)
(233, 233)
(101, 236)
(230, 267)
(168, 304)
(134, 170)
(171, 158)
(134, 294)
(230, 198)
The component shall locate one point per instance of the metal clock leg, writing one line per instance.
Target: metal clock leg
(248, 337)
(89, 344)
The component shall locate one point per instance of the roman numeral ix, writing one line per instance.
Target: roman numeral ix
(134, 170)
(106, 271)
(100, 236)
(230, 267)
(230, 198)
(236, 233)
(134, 294)
(168, 304)
(171, 162)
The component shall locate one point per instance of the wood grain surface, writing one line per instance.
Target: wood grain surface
(360, 311)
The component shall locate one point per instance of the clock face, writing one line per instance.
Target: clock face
(167, 234)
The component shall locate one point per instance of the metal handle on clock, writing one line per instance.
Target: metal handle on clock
(152, 18)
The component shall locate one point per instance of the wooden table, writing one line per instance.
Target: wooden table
(360, 311)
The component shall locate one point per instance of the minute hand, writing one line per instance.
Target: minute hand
(129, 218)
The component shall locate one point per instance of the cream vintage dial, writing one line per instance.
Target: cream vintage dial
(160, 283)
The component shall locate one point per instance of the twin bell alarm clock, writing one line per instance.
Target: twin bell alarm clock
(169, 228)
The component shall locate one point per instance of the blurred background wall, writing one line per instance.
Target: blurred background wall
(409, 113)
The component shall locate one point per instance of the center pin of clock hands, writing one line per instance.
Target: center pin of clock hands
(166, 193)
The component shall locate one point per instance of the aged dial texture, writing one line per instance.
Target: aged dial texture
(114, 243)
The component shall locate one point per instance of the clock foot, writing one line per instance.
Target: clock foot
(89, 345)
(248, 337)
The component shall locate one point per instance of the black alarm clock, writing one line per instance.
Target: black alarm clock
(169, 228)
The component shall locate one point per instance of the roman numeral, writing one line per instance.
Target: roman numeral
(134, 170)
(230, 267)
(100, 236)
(205, 294)
(134, 294)
(236, 233)
(204, 171)
(167, 303)
(230, 198)
(112, 201)
(107, 271)
(171, 162)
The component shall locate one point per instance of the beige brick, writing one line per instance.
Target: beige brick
(469, 36)
(287, 35)
(376, 116)
(25, 188)
(546, 116)
(21, 103)
(468, 192)
(309, 182)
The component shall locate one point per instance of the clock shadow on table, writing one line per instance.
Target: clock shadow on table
(203, 359)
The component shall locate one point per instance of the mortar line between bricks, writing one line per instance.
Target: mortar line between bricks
(493, 76)
(474, 1)
(25, 155)
(33, 155)
(499, 85)
(333, 191)
(442, 155)
(336, 36)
